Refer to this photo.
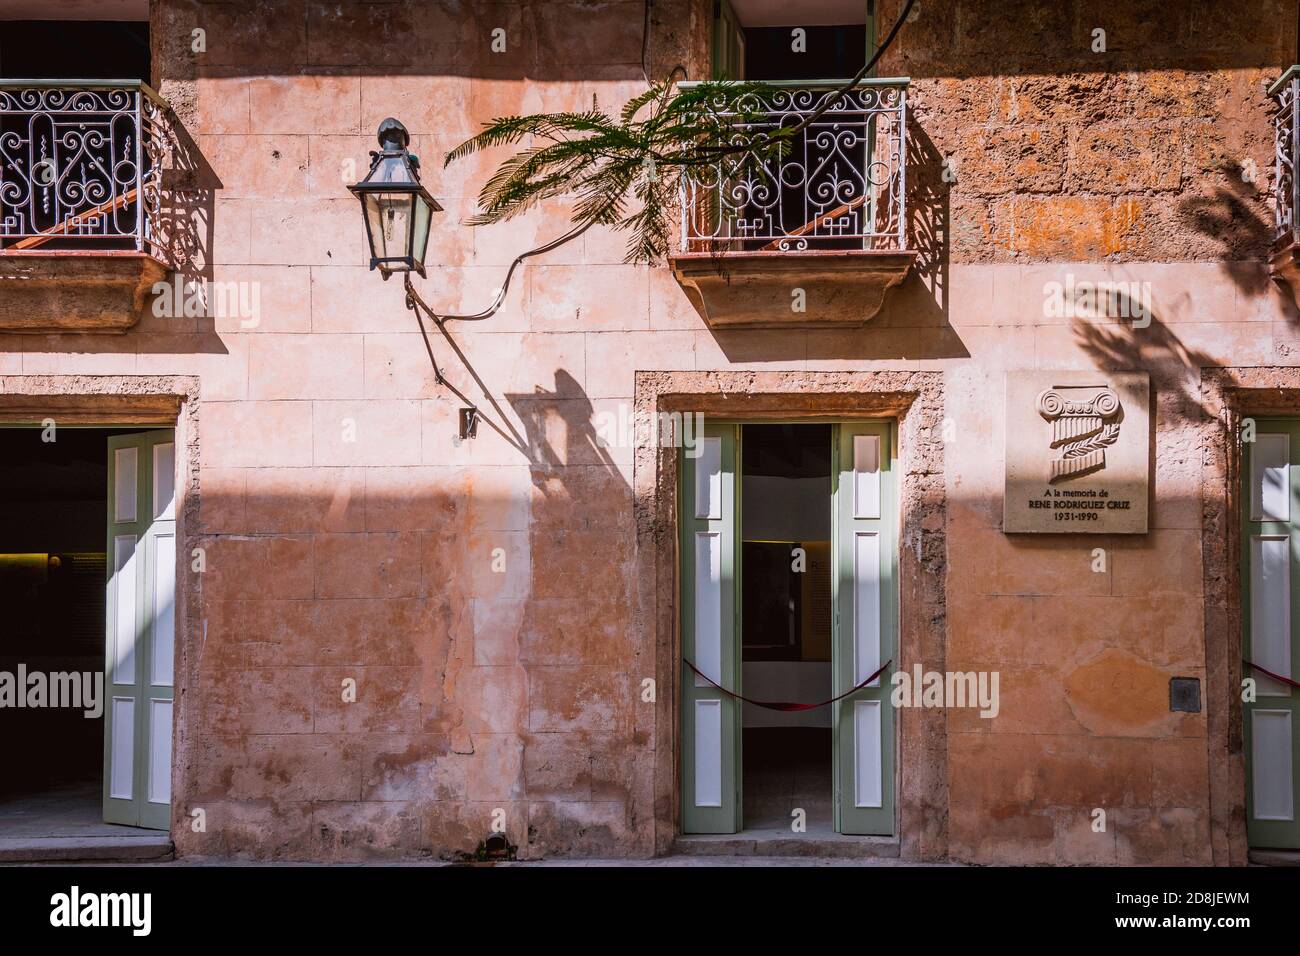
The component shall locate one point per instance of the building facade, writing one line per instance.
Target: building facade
(386, 638)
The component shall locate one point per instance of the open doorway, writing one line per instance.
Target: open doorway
(786, 623)
(787, 568)
(85, 658)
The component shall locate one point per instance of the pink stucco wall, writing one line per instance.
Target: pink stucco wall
(372, 558)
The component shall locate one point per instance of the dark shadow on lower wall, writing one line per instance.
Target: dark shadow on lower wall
(576, 637)
(482, 603)
(519, 690)
(565, 631)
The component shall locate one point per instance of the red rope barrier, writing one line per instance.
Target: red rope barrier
(786, 705)
(1264, 670)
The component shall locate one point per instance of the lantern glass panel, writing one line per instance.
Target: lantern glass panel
(420, 232)
(389, 218)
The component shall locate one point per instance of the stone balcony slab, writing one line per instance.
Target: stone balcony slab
(790, 290)
(75, 290)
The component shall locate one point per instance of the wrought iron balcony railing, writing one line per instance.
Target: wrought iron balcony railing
(81, 163)
(841, 186)
(1286, 143)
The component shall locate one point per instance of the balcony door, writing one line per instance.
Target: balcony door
(825, 194)
(71, 142)
(756, 40)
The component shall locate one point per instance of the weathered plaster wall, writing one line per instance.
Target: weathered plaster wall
(1147, 163)
(1066, 154)
(349, 534)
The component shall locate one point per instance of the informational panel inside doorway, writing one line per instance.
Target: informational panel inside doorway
(1077, 452)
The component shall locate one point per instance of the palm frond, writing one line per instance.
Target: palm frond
(609, 166)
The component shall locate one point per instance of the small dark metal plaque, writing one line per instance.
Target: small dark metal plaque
(1185, 695)
(468, 422)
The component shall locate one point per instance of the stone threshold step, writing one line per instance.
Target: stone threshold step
(1274, 857)
(833, 846)
(123, 849)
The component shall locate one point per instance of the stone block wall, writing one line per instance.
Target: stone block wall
(484, 595)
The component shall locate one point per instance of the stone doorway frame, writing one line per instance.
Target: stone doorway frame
(1229, 395)
(162, 401)
(916, 401)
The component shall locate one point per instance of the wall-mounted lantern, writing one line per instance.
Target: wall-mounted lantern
(397, 208)
(398, 212)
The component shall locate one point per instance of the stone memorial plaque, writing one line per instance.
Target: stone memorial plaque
(1077, 452)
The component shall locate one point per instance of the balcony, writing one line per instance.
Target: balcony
(1285, 261)
(812, 240)
(83, 229)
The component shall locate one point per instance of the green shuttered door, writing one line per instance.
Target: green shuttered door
(140, 629)
(864, 595)
(709, 506)
(1271, 581)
